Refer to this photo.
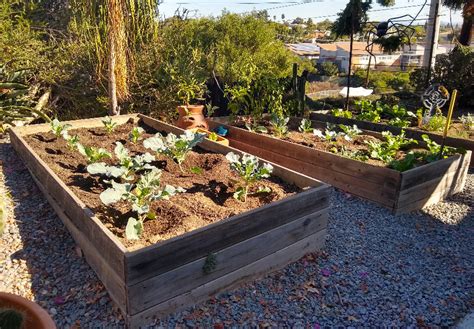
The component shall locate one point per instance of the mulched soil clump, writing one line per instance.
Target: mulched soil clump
(208, 197)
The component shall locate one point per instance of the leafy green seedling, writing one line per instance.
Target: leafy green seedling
(58, 128)
(387, 150)
(350, 132)
(177, 148)
(467, 121)
(342, 113)
(109, 125)
(72, 141)
(93, 154)
(140, 196)
(434, 150)
(279, 125)
(136, 134)
(249, 172)
(254, 127)
(305, 126)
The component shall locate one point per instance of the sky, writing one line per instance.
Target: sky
(317, 10)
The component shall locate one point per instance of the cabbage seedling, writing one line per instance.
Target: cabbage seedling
(279, 125)
(249, 171)
(140, 196)
(136, 134)
(59, 129)
(72, 141)
(177, 148)
(350, 132)
(109, 125)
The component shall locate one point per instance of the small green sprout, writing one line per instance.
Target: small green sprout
(279, 125)
(59, 129)
(249, 172)
(93, 154)
(305, 126)
(109, 125)
(72, 141)
(136, 134)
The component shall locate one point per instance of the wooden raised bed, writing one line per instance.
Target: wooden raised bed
(466, 144)
(399, 191)
(168, 276)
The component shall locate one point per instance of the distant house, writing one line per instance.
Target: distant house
(305, 50)
(338, 53)
(412, 56)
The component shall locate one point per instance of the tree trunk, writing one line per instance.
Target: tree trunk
(466, 30)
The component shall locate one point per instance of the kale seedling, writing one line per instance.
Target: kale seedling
(434, 150)
(109, 125)
(249, 171)
(467, 121)
(72, 141)
(387, 150)
(59, 129)
(350, 132)
(177, 148)
(280, 125)
(136, 134)
(140, 196)
(305, 126)
(93, 154)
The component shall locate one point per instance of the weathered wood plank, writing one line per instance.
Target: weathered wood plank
(83, 218)
(382, 193)
(167, 255)
(292, 150)
(433, 170)
(158, 289)
(467, 144)
(114, 284)
(263, 266)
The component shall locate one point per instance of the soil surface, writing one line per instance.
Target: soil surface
(208, 197)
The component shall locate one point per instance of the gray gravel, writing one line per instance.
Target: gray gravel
(376, 270)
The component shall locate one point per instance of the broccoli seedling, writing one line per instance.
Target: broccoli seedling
(93, 154)
(279, 125)
(305, 126)
(176, 148)
(249, 172)
(109, 125)
(139, 196)
(136, 134)
(59, 129)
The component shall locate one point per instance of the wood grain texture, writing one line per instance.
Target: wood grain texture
(251, 271)
(410, 132)
(172, 253)
(158, 289)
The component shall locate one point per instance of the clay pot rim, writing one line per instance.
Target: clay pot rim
(36, 313)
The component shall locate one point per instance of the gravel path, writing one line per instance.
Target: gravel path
(376, 270)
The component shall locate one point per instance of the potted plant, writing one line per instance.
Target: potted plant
(190, 116)
(19, 312)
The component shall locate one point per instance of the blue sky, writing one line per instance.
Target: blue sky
(298, 8)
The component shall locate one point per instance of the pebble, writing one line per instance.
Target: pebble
(408, 271)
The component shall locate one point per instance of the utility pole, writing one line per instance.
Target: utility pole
(432, 36)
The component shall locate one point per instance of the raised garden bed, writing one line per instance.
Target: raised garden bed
(467, 144)
(148, 279)
(399, 191)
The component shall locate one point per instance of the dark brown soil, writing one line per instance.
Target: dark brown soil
(208, 197)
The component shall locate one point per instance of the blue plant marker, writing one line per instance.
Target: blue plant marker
(221, 131)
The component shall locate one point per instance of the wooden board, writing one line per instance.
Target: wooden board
(249, 272)
(466, 144)
(158, 289)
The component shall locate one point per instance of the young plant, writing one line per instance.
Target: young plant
(136, 134)
(72, 141)
(329, 135)
(369, 111)
(305, 126)
(93, 154)
(467, 121)
(350, 132)
(279, 125)
(140, 196)
(342, 113)
(397, 122)
(249, 172)
(59, 129)
(128, 166)
(436, 122)
(387, 150)
(177, 148)
(407, 163)
(109, 125)
(255, 127)
(434, 150)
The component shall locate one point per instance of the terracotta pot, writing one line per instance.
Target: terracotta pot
(34, 317)
(191, 116)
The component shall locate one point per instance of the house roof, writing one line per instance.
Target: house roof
(328, 46)
(303, 49)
